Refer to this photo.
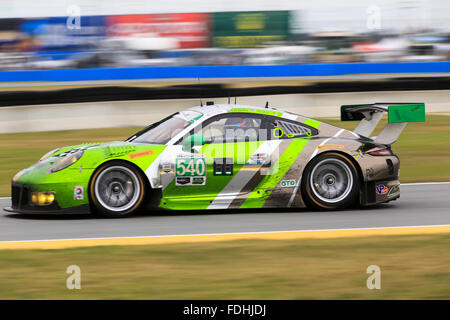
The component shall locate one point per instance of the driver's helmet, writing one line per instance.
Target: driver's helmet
(237, 122)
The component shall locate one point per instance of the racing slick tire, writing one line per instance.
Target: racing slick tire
(330, 182)
(116, 189)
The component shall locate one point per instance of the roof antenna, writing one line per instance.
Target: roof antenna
(201, 102)
(267, 104)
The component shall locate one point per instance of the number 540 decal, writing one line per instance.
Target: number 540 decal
(191, 167)
(190, 171)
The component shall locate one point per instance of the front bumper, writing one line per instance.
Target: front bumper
(20, 203)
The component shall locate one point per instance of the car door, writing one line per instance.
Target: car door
(212, 170)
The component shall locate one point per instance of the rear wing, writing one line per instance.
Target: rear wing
(399, 114)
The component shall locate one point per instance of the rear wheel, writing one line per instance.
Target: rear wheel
(330, 182)
(117, 189)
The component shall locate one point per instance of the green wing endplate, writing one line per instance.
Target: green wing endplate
(406, 113)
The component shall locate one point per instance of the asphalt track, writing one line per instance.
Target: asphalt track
(419, 205)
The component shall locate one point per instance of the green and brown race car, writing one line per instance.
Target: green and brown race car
(224, 156)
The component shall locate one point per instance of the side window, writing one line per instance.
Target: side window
(214, 130)
(282, 129)
(233, 128)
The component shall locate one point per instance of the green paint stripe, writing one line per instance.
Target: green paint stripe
(195, 119)
(257, 111)
(312, 123)
(284, 163)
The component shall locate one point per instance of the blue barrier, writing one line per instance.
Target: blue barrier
(208, 72)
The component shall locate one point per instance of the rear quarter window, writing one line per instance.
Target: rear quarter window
(284, 129)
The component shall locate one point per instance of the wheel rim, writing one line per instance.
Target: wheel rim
(117, 188)
(331, 180)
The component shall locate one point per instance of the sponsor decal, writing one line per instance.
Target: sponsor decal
(190, 181)
(166, 167)
(327, 146)
(256, 159)
(78, 192)
(190, 155)
(181, 181)
(394, 190)
(381, 189)
(198, 180)
(141, 154)
(370, 172)
(288, 183)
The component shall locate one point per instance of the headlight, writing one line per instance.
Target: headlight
(42, 198)
(66, 161)
(48, 154)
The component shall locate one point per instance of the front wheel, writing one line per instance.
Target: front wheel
(116, 190)
(330, 182)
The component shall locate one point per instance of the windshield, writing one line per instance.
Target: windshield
(161, 132)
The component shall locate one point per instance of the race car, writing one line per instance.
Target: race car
(224, 156)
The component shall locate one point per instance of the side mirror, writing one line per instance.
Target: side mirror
(192, 141)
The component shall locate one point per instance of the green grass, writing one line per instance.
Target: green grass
(423, 148)
(412, 267)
